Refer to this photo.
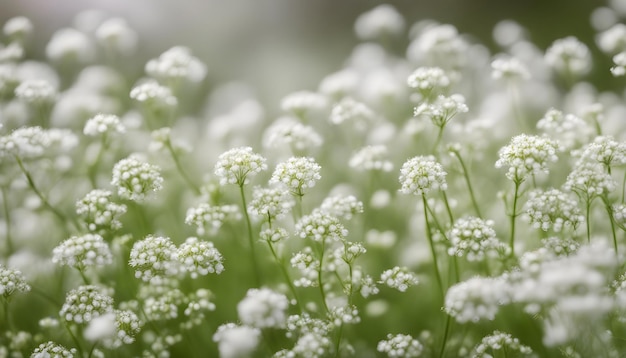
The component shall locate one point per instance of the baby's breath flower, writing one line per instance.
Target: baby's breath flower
(356, 113)
(51, 349)
(151, 93)
(351, 251)
(341, 206)
(36, 142)
(400, 346)
(199, 257)
(274, 235)
(99, 213)
(320, 226)
(103, 124)
(429, 82)
(85, 303)
(368, 287)
(165, 305)
(308, 265)
(12, 281)
(117, 36)
(619, 214)
(17, 28)
(509, 68)
(211, 217)
(154, 258)
(560, 246)
(235, 341)
(605, 150)
(312, 345)
(527, 155)
(612, 40)
(127, 327)
(270, 204)
(439, 45)
(499, 341)
(421, 174)
(70, 45)
(235, 166)
(620, 65)
(175, 64)
(442, 110)
(589, 180)
(570, 131)
(80, 252)
(399, 278)
(379, 22)
(553, 210)
(303, 323)
(295, 135)
(371, 157)
(297, 174)
(263, 308)
(475, 299)
(344, 315)
(569, 56)
(474, 238)
(134, 179)
(199, 303)
(340, 84)
(36, 91)
(302, 103)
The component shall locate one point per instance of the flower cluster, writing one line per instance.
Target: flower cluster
(295, 135)
(176, 63)
(527, 155)
(419, 175)
(270, 204)
(497, 341)
(199, 257)
(52, 349)
(297, 174)
(263, 308)
(154, 258)
(341, 206)
(320, 226)
(475, 239)
(400, 345)
(399, 278)
(509, 68)
(569, 57)
(85, 303)
(553, 210)
(236, 341)
(348, 110)
(442, 109)
(569, 130)
(151, 93)
(99, 213)
(135, 179)
(12, 281)
(103, 124)
(211, 217)
(371, 157)
(80, 252)
(429, 81)
(238, 164)
(476, 299)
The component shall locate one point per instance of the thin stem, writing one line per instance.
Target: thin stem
(8, 224)
(445, 200)
(93, 168)
(438, 140)
(514, 216)
(319, 275)
(446, 333)
(286, 274)
(182, 172)
(609, 211)
(624, 187)
(76, 341)
(587, 217)
(83, 276)
(469, 183)
(255, 266)
(432, 247)
(7, 313)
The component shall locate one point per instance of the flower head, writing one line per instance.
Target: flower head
(199, 257)
(350, 111)
(270, 203)
(509, 68)
(134, 179)
(211, 217)
(154, 258)
(297, 174)
(36, 91)
(85, 303)
(553, 209)
(429, 82)
(103, 124)
(238, 164)
(151, 93)
(80, 252)
(620, 64)
(569, 56)
(379, 22)
(442, 110)
(399, 278)
(12, 281)
(571, 131)
(263, 308)
(527, 155)
(499, 341)
(295, 135)
(235, 341)
(177, 63)
(476, 299)
(320, 226)
(341, 206)
(371, 157)
(419, 175)
(400, 345)
(474, 238)
(589, 180)
(99, 213)
(51, 349)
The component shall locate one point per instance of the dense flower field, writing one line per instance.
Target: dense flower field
(449, 201)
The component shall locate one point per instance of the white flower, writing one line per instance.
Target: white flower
(399, 278)
(154, 258)
(12, 281)
(420, 174)
(509, 68)
(527, 155)
(297, 174)
(236, 165)
(135, 179)
(177, 63)
(263, 308)
(476, 299)
(569, 56)
(379, 22)
(80, 252)
(103, 124)
(400, 346)
(70, 45)
(36, 91)
(236, 341)
(114, 34)
(85, 303)
(199, 257)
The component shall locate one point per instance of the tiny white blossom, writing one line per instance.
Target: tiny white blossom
(400, 346)
(297, 174)
(527, 155)
(399, 278)
(235, 341)
(103, 124)
(379, 22)
(80, 252)
(263, 308)
(420, 174)
(154, 258)
(135, 179)
(177, 63)
(237, 165)
(199, 257)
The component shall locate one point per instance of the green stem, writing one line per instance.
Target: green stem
(446, 333)
(587, 221)
(514, 216)
(7, 226)
(432, 247)
(445, 200)
(255, 266)
(609, 211)
(624, 186)
(319, 275)
(182, 172)
(286, 274)
(438, 140)
(93, 168)
(469, 183)
(7, 313)
(83, 276)
(76, 341)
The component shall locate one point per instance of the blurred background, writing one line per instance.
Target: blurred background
(279, 46)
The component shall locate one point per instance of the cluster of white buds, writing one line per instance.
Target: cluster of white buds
(419, 175)
(400, 346)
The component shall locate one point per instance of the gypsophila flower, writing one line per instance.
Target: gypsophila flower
(475, 239)
(48, 322)
(270, 204)
(560, 246)
(442, 110)
(12, 281)
(85, 303)
(70, 45)
(605, 150)
(199, 257)
(421, 174)
(382, 21)
(553, 210)
(134, 178)
(476, 299)
(263, 308)
(619, 214)
(439, 45)
(17, 28)
(151, 93)
(127, 327)
(344, 315)
(341, 206)
(308, 265)
(51, 349)
(304, 323)
(274, 235)
(176, 63)
(36, 91)
(399, 278)
(569, 56)
(589, 180)
(428, 82)
(371, 157)
(311, 345)
(320, 226)
(302, 103)
(117, 36)
(236, 341)
(165, 305)
(620, 65)
(297, 136)
(570, 131)
(612, 40)
(499, 341)
(99, 213)
(81, 252)
(527, 155)
(368, 287)
(154, 258)
(353, 112)
(35, 142)
(400, 346)
(100, 328)
(509, 68)
(199, 303)
(297, 174)
(235, 166)
(211, 217)
(103, 124)
(351, 251)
